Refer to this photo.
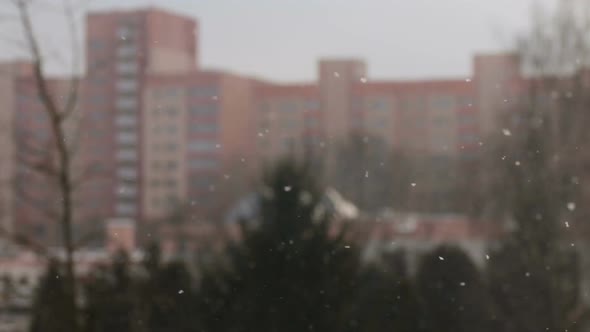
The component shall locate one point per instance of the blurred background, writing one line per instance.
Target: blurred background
(265, 166)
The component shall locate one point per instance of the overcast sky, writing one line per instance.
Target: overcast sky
(283, 39)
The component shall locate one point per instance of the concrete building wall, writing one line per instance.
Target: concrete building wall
(336, 78)
(288, 120)
(495, 76)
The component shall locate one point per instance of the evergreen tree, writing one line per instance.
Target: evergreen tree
(170, 300)
(453, 296)
(112, 298)
(50, 312)
(387, 300)
(288, 273)
(534, 274)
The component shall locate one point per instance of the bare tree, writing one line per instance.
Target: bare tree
(53, 160)
(536, 172)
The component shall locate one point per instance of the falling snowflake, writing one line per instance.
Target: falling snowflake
(413, 184)
(363, 80)
(468, 80)
(366, 174)
(441, 258)
(181, 292)
(347, 247)
(287, 188)
(462, 284)
(506, 132)
(567, 224)
(571, 206)
(336, 74)
(488, 257)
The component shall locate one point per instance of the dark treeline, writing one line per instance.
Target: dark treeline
(291, 272)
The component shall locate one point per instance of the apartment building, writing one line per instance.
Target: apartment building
(123, 49)
(157, 132)
(197, 131)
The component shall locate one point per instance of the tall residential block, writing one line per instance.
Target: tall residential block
(123, 50)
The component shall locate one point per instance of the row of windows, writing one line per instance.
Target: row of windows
(126, 103)
(125, 120)
(165, 183)
(170, 111)
(203, 146)
(167, 201)
(291, 106)
(164, 146)
(126, 209)
(204, 109)
(127, 138)
(203, 128)
(196, 91)
(202, 182)
(164, 164)
(162, 129)
(203, 164)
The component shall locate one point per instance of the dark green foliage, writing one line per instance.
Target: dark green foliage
(111, 298)
(535, 293)
(452, 293)
(534, 274)
(288, 273)
(387, 300)
(168, 298)
(50, 308)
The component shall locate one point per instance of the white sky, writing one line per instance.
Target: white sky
(283, 39)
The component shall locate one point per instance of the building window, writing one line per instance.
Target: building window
(128, 68)
(202, 146)
(379, 104)
(442, 102)
(203, 164)
(311, 122)
(126, 138)
(172, 129)
(98, 115)
(126, 120)
(202, 183)
(313, 105)
(170, 146)
(171, 165)
(171, 183)
(98, 99)
(126, 86)
(96, 44)
(204, 109)
(288, 106)
(203, 128)
(204, 91)
(127, 173)
(127, 155)
(126, 51)
(126, 209)
(126, 103)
